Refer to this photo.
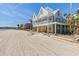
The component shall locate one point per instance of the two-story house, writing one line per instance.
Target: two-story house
(49, 20)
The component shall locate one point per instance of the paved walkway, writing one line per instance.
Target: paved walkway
(22, 43)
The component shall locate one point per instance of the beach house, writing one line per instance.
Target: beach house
(49, 20)
(28, 26)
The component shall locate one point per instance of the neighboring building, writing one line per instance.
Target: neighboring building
(48, 20)
(28, 26)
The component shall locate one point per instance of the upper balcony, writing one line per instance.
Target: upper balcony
(49, 20)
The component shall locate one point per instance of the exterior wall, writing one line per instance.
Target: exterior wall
(51, 29)
(28, 26)
(50, 19)
(57, 17)
(58, 28)
(44, 28)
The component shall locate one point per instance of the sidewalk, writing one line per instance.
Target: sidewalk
(65, 37)
(69, 38)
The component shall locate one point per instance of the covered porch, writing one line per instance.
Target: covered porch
(54, 28)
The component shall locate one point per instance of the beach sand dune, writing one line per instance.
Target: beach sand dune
(22, 43)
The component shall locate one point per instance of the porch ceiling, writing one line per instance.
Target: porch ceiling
(50, 24)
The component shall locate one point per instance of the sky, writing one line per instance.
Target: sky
(20, 13)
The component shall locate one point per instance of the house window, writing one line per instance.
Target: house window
(50, 18)
(53, 19)
(57, 19)
(58, 13)
(61, 20)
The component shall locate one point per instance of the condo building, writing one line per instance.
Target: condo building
(49, 20)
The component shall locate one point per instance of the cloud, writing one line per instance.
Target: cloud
(13, 10)
(13, 14)
(5, 13)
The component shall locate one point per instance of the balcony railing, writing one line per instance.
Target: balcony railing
(47, 21)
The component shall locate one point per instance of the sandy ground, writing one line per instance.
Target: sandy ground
(22, 43)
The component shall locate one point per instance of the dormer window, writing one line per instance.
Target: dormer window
(41, 12)
(58, 13)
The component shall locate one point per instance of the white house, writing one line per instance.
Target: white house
(49, 20)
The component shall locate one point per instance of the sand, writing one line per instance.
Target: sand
(22, 43)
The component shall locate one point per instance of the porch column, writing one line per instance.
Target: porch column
(60, 28)
(55, 29)
(37, 28)
(41, 28)
(47, 28)
(65, 28)
(52, 28)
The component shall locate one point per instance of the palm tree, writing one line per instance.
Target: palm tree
(76, 19)
(70, 18)
(18, 26)
(31, 27)
(21, 26)
(30, 21)
(73, 22)
(65, 15)
(31, 24)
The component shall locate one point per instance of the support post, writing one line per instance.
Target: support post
(65, 29)
(47, 28)
(37, 28)
(60, 29)
(55, 29)
(52, 28)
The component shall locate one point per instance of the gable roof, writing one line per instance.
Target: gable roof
(42, 12)
(55, 11)
(45, 12)
(34, 17)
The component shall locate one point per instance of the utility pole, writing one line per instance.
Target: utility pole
(70, 15)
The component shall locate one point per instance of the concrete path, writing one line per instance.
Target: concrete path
(22, 43)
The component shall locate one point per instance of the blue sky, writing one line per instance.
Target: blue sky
(20, 13)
